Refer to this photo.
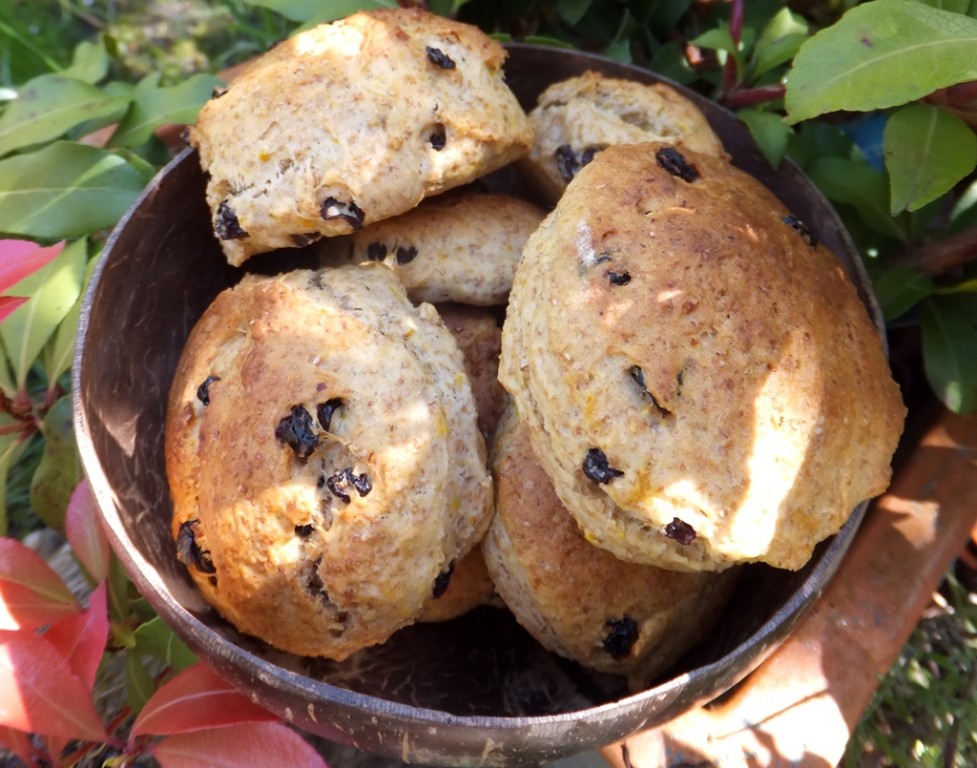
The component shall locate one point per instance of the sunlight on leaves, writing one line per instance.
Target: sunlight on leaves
(39, 692)
(779, 41)
(53, 289)
(23, 567)
(881, 54)
(153, 106)
(49, 106)
(305, 10)
(920, 167)
(65, 191)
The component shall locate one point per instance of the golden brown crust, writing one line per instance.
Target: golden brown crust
(468, 586)
(460, 247)
(480, 337)
(352, 122)
(578, 117)
(330, 467)
(578, 600)
(689, 335)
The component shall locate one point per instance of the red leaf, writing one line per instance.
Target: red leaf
(85, 533)
(31, 593)
(40, 694)
(19, 258)
(9, 303)
(270, 745)
(17, 742)
(81, 638)
(196, 699)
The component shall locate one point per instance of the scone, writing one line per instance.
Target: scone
(580, 601)
(578, 117)
(461, 247)
(323, 458)
(697, 373)
(463, 588)
(479, 335)
(352, 122)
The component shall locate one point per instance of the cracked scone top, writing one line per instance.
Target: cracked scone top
(323, 457)
(697, 373)
(352, 122)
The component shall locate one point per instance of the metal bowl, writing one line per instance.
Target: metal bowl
(474, 691)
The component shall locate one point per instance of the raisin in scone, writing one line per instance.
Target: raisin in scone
(323, 458)
(352, 122)
(696, 371)
(578, 600)
(578, 117)
(462, 588)
(460, 247)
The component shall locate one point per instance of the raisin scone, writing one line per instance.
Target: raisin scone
(323, 458)
(580, 601)
(352, 122)
(462, 588)
(697, 372)
(460, 247)
(578, 117)
(479, 334)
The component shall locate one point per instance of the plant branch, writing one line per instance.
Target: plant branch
(943, 256)
(730, 72)
(748, 97)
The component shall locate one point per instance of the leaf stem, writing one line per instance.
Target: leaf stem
(748, 97)
(731, 70)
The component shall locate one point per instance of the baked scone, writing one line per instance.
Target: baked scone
(352, 122)
(479, 335)
(461, 247)
(323, 458)
(580, 601)
(697, 373)
(466, 586)
(578, 117)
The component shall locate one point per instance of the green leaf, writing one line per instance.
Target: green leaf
(11, 447)
(89, 62)
(954, 6)
(779, 41)
(57, 354)
(139, 683)
(60, 468)
(154, 638)
(64, 191)
(927, 151)
(856, 183)
(899, 289)
(769, 131)
(718, 39)
(308, 10)
(154, 106)
(950, 354)
(572, 11)
(881, 54)
(49, 106)
(53, 290)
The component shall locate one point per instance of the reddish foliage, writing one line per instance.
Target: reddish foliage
(31, 593)
(39, 691)
(195, 699)
(270, 745)
(81, 638)
(85, 533)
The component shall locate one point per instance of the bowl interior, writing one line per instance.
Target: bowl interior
(476, 690)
